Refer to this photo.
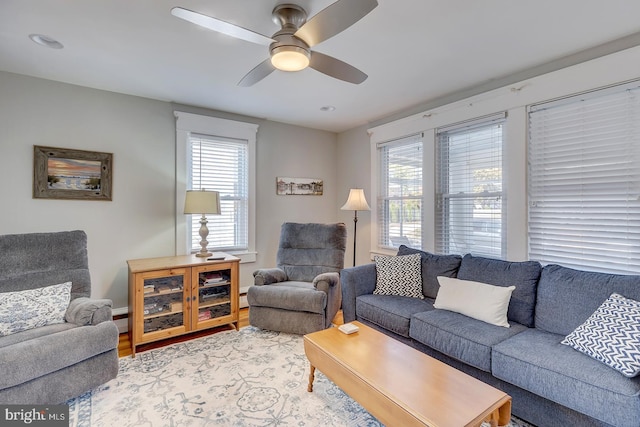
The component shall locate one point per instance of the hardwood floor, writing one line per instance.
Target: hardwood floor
(124, 345)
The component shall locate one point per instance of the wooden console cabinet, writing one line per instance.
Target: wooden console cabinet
(171, 296)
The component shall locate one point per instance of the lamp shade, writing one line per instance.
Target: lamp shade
(356, 201)
(202, 202)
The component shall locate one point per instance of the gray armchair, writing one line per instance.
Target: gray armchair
(49, 363)
(302, 294)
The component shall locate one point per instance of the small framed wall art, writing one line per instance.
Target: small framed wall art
(286, 186)
(62, 173)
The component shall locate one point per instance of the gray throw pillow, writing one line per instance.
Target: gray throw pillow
(433, 265)
(524, 275)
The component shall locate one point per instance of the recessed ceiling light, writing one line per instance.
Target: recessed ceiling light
(328, 108)
(47, 41)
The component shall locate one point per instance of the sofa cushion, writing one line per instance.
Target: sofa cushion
(523, 275)
(460, 337)
(391, 312)
(481, 301)
(35, 333)
(567, 297)
(611, 335)
(33, 308)
(536, 361)
(433, 266)
(35, 357)
(398, 275)
(290, 295)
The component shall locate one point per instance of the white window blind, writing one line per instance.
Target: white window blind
(399, 199)
(584, 181)
(470, 208)
(221, 164)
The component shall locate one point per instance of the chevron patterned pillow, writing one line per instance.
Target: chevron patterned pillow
(611, 335)
(399, 275)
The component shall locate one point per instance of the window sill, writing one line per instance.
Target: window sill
(245, 257)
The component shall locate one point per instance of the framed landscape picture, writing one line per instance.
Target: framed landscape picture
(286, 186)
(62, 173)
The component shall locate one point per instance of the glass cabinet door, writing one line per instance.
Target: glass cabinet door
(213, 294)
(164, 301)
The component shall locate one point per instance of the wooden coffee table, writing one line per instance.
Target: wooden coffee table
(401, 386)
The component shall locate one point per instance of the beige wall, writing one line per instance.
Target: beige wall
(354, 171)
(140, 220)
(140, 134)
(291, 151)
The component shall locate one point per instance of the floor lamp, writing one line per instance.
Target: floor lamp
(356, 202)
(202, 202)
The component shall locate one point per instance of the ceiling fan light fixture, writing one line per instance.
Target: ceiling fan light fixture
(290, 58)
(290, 47)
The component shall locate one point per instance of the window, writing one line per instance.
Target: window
(219, 155)
(399, 199)
(221, 164)
(470, 208)
(584, 180)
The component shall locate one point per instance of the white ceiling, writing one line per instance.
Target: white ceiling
(414, 51)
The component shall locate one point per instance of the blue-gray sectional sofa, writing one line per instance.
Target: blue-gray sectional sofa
(551, 384)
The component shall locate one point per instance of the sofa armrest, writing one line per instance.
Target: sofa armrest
(356, 281)
(329, 283)
(267, 276)
(86, 311)
(324, 281)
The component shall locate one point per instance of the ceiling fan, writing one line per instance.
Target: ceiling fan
(290, 48)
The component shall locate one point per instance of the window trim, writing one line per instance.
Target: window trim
(376, 175)
(187, 123)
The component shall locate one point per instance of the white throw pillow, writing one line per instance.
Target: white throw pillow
(611, 335)
(33, 308)
(399, 275)
(481, 301)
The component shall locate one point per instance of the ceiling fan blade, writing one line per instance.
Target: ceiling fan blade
(334, 19)
(335, 68)
(221, 26)
(261, 71)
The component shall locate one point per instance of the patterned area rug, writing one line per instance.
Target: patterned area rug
(233, 378)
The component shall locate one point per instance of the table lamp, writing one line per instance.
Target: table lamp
(202, 202)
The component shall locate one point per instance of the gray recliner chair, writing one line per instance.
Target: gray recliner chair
(302, 294)
(51, 363)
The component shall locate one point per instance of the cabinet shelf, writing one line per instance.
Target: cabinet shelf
(188, 303)
(161, 314)
(213, 285)
(156, 294)
(214, 303)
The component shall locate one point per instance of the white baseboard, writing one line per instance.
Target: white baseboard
(243, 296)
